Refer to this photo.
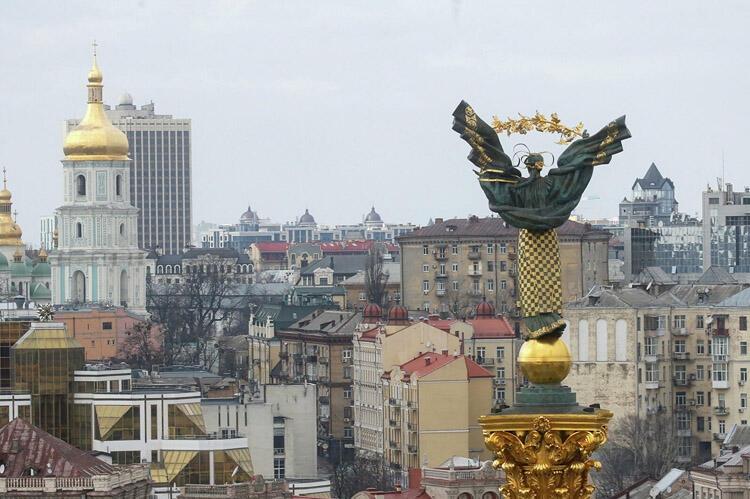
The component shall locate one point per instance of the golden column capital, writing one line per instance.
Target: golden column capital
(546, 455)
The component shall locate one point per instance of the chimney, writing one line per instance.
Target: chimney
(398, 487)
(444, 351)
(427, 360)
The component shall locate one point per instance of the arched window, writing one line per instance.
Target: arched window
(159, 269)
(79, 287)
(79, 230)
(81, 185)
(168, 269)
(176, 269)
(124, 288)
(118, 185)
(122, 229)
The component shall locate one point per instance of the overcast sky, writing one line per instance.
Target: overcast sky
(336, 106)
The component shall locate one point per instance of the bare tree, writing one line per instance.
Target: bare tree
(638, 447)
(191, 311)
(143, 346)
(360, 474)
(461, 304)
(376, 279)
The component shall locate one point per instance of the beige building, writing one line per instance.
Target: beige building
(727, 476)
(432, 404)
(682, 353)
(449, 266)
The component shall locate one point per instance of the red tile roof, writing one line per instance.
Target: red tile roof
(492, 328)
(487, 227)
(266, 247)
(432, 361)
(23, 445)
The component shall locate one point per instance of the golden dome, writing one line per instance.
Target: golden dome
(545, 360)
(10, 232)
(95, 137)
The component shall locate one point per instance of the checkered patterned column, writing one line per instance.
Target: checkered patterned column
(540, 287)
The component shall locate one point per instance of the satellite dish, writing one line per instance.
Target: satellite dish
(2, 468)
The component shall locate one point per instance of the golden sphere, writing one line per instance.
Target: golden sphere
(545, 360)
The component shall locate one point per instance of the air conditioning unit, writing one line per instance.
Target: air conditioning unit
(347, 420)
(742, 409)
(426, 291)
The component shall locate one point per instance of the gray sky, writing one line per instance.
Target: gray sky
(338, 105)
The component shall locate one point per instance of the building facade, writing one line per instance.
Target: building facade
(159, 177)
(450, 266)
(682, 354)
(653, 201)
(97, 257)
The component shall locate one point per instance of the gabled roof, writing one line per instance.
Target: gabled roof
(710, 294)
(393, 269)
(23, 445)
(602, 297)
(655, 275)
(432, 361)
(716, 275)
(339, 322)
(653, 179)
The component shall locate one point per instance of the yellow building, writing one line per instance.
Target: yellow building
(449, 266)
(377, 348)
(432, 404)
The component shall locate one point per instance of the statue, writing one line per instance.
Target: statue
(537, 204)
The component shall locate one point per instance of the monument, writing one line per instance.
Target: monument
(545, 441)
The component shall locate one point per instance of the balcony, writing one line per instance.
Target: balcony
(440, 292)
(441, 275)
(684, 432)
(499, 382)
(680, 331)
(720, 436)
(393, 444)
(283, 355)
(440, 255)
(651, 358)
(681, 408)
(721, 410)
(655, 332)
(486, 361)
(682, 381)
(411, 426)
(652, 385)
(392, 401)
(474, 272)
(412, 449)
(721, 384)
(474, 255)
(720, 332)
(512, 272)
(720, 358)
(392, 423)
(411, 404)
(681, 356)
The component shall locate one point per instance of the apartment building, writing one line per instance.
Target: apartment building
(683, 352)
(448, 267)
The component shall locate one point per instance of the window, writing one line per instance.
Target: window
(426, 286)
(743, 374)
(500, 393)
(106, 325)
(700, 347)
(454, 267)
(79, 230)
(722, 426)
(481, 354)
(455, 285)
(454, 249)
(118, 185)
(347, 372)
(502, 248)
(347, 393)
(348, 432)
(425, 250)
(699, 321)
(490, 248)
(743, 323)
(475, 286)
(278, 467)
(362, 296)
(500, 353)
(490, 285)
(500, 373)
(442, 269)
(699, 372)
(490, 266)
(81, 185)
(680, 399)
(713, 200)
(700, 423)
(346, 353)
(503, 284)
(698, 398)
(425, 267)
(743, 400)
(679, 321)
(679, 346)
(743, 347)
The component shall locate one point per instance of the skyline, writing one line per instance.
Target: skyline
(344, 106)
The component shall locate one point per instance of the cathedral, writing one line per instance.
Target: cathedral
(96, 258)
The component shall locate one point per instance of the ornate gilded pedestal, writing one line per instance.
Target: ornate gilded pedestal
(545, 441)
